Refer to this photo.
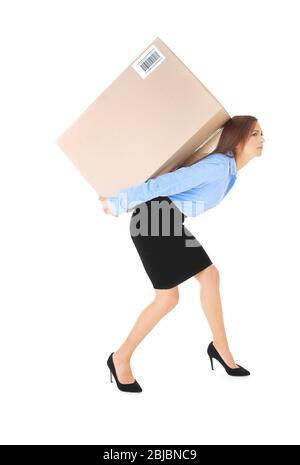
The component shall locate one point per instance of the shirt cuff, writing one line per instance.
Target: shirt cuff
(114, 206)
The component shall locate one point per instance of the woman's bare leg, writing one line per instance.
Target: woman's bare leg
(164, 301)
(209, 280)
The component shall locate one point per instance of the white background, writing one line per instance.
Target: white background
(72, 283)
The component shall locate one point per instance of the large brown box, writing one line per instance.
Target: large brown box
(151, 119)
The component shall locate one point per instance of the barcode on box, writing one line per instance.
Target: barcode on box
(148, 62)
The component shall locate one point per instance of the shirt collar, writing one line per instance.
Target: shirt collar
(232, 163)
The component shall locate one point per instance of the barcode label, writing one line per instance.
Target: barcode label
(148, 62)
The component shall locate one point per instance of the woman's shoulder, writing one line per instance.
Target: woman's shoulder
(214, 158)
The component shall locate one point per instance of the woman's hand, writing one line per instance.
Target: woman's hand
(103, 201)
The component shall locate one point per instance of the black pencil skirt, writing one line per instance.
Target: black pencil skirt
(169, 252)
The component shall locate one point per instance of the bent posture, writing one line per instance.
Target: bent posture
(173, 258)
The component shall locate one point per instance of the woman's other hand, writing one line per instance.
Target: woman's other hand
(103, 201)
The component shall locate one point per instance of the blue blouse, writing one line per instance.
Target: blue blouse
(194, 189)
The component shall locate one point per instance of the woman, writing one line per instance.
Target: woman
(169, 259)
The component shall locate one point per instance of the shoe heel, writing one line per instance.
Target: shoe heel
(211, 361)
(111, 378)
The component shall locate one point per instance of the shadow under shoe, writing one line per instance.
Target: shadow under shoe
(213, 353)
(129, 387)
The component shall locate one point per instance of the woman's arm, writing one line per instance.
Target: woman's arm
(180, 180)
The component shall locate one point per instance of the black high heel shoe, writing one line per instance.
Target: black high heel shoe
(130, 387)
(213, 353)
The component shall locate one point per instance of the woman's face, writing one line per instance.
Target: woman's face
(254, 144)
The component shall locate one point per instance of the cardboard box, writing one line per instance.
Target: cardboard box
(152, 118)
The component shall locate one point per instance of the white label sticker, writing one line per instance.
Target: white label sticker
(148, 62)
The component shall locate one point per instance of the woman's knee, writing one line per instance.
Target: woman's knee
(168, 298)
(210, 274)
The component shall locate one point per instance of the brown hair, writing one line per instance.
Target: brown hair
(235, 131)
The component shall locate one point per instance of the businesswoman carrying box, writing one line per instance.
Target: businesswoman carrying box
(169, 252)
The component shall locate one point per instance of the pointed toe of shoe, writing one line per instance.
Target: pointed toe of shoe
(243, 371)
(137, 387)
(130, 387)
